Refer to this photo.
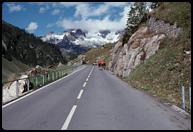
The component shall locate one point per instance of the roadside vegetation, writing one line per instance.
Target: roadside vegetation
(163, 73)
(103, 52)
(11, 69)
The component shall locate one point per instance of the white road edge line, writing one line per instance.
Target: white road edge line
(84, 84)
(41, 88)
(68, 119)
(80, 93)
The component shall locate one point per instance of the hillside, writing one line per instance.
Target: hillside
(157, 57)
(94, 54)
(21, 50)
(103, 52)
(11, 69)
(27, 48)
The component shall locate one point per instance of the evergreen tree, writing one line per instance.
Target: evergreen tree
(136, 14)
(154, 5)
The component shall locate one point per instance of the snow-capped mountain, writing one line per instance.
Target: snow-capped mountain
(78, 41)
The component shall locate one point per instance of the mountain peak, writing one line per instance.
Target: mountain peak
(78, 37)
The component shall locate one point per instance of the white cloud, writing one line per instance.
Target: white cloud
(55, 12)
(85, 10)
(44, 9)
(94, 25)
(70, 4)
(116, 4)
(39, 3)
(32, 27)
(13, 7)
(49, 25)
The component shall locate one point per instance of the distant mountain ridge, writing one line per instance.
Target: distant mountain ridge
(78, 41)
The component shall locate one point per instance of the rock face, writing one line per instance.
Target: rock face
(9, 89)
(141, 45)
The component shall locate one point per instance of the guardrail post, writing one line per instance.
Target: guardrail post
(52, 76)
(190, 96)
(43, 79)
(2, 92)
(17, 89)
(27, 84)
(48, 77)
(36, 82)
(183, 98)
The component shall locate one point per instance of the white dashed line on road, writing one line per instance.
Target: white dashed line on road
(80, 93)
(84, 84)
(68, 119)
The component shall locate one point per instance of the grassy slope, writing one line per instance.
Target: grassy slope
(11, 69)
(162, 73)
(104, 52)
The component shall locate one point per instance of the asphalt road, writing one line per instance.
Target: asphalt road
(90, 99)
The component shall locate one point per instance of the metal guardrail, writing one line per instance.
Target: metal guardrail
(183, 97)
(14, 89)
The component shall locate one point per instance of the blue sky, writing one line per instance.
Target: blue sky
(40, 18)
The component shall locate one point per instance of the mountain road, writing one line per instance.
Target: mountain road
(90, 99)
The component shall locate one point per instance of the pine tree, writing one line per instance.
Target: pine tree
(135, 16)
(154, 5)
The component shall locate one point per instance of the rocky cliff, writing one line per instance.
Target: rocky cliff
(141, 45)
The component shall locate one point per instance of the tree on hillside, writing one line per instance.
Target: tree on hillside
(154, 5)
(136, 15)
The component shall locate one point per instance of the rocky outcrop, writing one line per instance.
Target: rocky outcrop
(159, 26)
(9, 89)
(141, 45)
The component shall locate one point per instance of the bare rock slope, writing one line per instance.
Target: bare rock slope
(141, 45)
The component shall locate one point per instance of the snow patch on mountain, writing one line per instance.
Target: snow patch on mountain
(78, 41)
(78, 37)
